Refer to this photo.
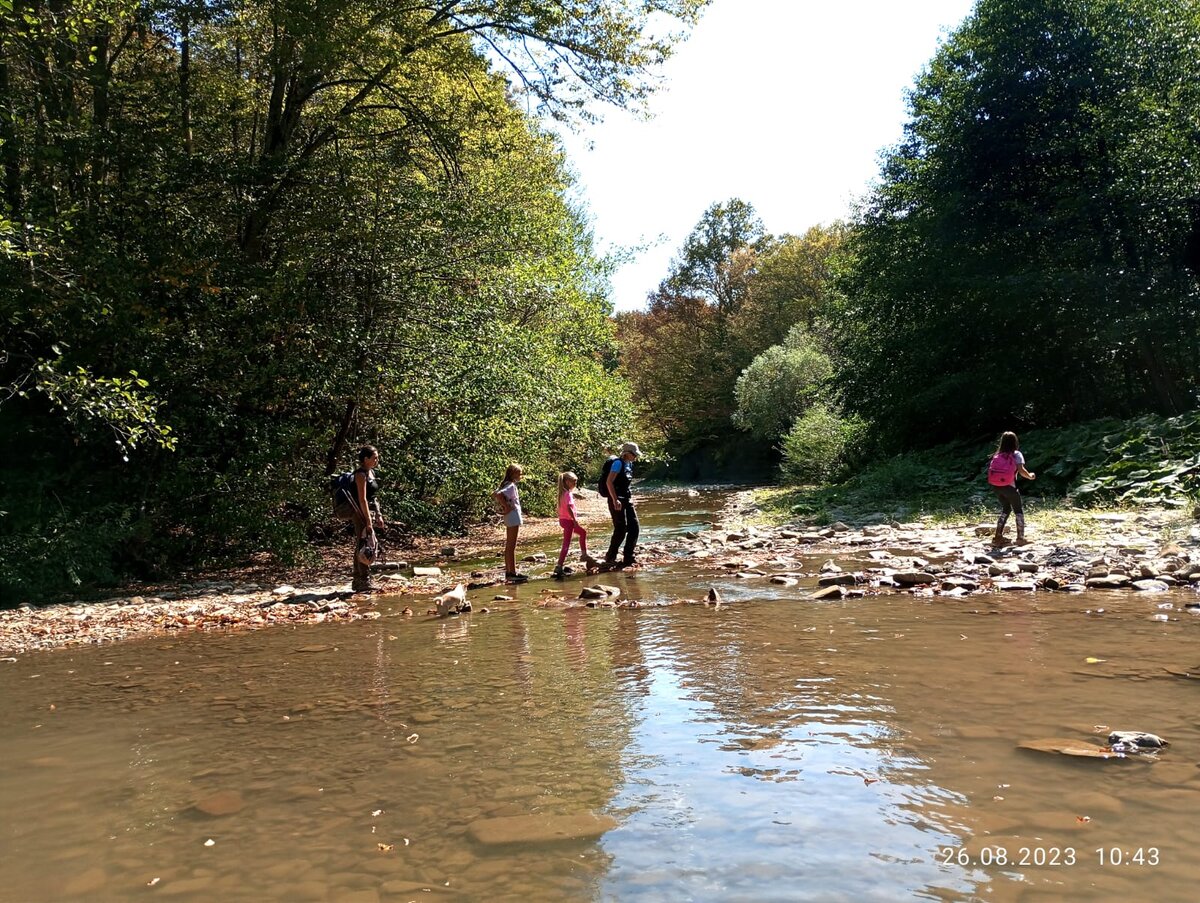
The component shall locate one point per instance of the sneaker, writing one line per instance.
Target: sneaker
(557, 573)
(516, 578)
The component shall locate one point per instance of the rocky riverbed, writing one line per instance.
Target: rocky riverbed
(1151, 551)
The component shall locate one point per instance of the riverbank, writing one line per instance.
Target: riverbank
(265, 593)
(754, 537)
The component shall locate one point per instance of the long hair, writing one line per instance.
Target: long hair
(367, 451)
(511, 473)
(1008, 444)
(563, 479)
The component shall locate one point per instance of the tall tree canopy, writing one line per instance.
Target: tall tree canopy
(259, 232)
(1031, 252)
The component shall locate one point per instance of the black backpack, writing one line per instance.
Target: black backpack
(604, 472)
(341, 487)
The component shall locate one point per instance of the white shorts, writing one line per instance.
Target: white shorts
(513, 518)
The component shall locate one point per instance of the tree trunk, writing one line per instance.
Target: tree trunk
(185, 74)
(339, 442)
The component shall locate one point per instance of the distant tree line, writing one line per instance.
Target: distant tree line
(1028, 257)
(237, 239)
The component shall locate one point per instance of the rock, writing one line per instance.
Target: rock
(838, 580)
(912, 578)
(1028, 567)
(957, 582)
(223, 802)
(1011, 586)
(592, 592)
(714, 597)
(502, 598)
(284, 590)
(1119, 581)
(535, 557)
(830, 567)
(427, 572)
(1050, 583)
(539, 828)
(1100, 571)
(449, 551)
(1076, 748)
(839, 527)
(829, 592)
(609, 590)
(1136, 739)
(780, 580)
(1150, 586)
(982, 559)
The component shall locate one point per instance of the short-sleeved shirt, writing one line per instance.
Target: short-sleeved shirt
(566, 507)
(510, 494)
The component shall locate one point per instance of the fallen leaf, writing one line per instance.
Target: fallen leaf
(413, 738)
(1083, 819)
(869, 781)
(152, 882)
(377, 813)
(210, 842)
(386, 847)
(1094, 661)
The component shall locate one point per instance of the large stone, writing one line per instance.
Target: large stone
(1010, 586)
(592, 592)
(828, 592)
(1115, 581)
(539, 828)
(1077, 748)
(1150, 586)
(427, 572)
(1137, 738)
(837, 580)
(912, 578)
(223, 802)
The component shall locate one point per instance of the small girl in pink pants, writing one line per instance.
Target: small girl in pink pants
(568, 519)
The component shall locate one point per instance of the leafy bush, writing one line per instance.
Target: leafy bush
(780, 385)
(820, 444)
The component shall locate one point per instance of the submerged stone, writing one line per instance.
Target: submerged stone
(539, 828)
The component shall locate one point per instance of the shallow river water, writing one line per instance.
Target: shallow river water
(772, 749)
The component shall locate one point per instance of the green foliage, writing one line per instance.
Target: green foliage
(261, 234)
(1031, 252)
(820, 445)
(781, 384)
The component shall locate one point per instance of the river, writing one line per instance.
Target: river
(771, 749)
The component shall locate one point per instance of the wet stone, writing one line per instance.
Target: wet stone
(224, 802)
(539, 828)
(837, 580)
(1150, 586)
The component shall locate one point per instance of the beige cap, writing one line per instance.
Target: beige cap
(632, 448)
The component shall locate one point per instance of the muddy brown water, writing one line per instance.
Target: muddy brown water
(774, 749)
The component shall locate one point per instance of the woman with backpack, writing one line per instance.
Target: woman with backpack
(355, 500)
(1006, 463)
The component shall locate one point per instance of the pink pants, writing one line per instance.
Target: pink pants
(570, 528)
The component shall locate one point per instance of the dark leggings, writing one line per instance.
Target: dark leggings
(1010, 500)
(625, 527)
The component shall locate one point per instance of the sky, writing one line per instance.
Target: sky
(785, 104)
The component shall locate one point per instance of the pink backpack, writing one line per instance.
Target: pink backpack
(1002, 471)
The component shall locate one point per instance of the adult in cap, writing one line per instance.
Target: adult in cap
(616, 481)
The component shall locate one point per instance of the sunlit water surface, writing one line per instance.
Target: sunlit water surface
(774, 749)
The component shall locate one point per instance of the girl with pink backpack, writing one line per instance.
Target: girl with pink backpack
(1006, 463)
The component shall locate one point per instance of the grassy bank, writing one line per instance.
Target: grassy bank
(1148, 462)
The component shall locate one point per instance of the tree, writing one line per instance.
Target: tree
(301, 225)
(1027, 255)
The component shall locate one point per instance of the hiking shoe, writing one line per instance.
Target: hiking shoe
(558, 573)
(516, 578)
(359, 586)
